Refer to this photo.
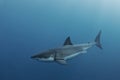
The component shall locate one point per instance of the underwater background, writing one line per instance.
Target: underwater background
(28, 27)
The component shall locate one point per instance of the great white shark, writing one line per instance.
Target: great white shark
(67, 51)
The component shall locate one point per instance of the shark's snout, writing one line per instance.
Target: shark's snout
(32, 57)
(35, 58)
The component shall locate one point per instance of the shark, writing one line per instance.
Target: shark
(67, 51)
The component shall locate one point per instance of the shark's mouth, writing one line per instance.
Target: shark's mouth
(47, 59)
(44, 59)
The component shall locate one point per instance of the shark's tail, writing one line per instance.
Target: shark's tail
(97, 40)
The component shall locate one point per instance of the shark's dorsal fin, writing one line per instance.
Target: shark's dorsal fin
(68, 41)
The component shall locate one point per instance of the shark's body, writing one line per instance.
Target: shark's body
(68, 51)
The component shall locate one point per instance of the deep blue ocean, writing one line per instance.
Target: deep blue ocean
(28, 27)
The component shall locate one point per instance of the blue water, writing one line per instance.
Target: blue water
(31, 26)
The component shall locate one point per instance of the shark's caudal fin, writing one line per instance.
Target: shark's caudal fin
(97, 40)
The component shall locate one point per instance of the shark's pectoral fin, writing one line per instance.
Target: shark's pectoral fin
(62, 61)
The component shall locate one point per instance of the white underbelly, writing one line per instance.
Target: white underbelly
(73, 55)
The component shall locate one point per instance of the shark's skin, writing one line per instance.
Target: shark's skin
(68, 51)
